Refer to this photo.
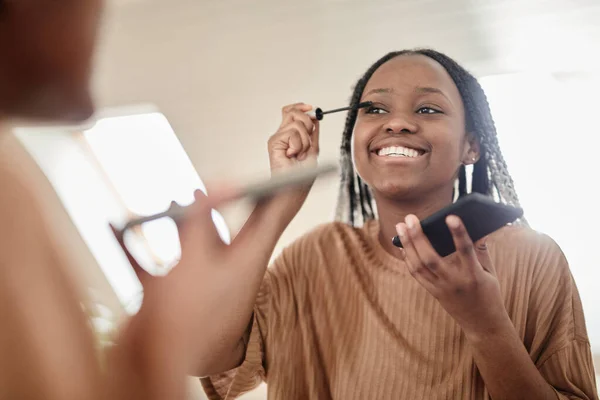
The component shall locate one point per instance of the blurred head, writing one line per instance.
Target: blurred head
(429, 120)
(46, 49)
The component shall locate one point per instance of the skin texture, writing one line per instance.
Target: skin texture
(405, 113)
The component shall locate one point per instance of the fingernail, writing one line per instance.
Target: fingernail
(401, 230)
(452, 222)
(411, 221)
(402, 254)
(482, 244)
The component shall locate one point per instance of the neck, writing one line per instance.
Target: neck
(393, 211)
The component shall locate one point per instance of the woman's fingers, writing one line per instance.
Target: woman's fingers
(463, 243)
(143, 275)
(426, 253)
(296, 139)
(414, 263)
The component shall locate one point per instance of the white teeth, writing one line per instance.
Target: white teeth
(398, 151)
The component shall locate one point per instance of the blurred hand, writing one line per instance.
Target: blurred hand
(180, 308)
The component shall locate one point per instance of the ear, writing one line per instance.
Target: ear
(472, 149)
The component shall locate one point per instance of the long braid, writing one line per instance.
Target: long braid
(490, 174)
(348, 197)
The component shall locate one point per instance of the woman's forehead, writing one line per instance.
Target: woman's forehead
(408, 72)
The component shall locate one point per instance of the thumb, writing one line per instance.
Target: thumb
(197, 228)
(483, 255)
(143, 275)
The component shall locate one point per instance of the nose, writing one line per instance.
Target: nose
(400, 124)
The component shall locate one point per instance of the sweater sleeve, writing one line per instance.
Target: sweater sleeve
(234, 383)
(559, 345)
(571, 373)
(275, 315)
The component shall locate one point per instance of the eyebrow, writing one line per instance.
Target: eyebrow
(381, 90)
(428, 89)
(419, 89)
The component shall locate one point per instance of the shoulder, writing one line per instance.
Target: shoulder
(521, 236)
(25, 191)
(23, 229)
(525, 257)
(523, 244)
(534, 262)
(331, 238)
(20, 212)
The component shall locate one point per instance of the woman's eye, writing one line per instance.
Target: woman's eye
(375, 110)
(428, 110)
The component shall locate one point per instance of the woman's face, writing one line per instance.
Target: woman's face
(412, 141)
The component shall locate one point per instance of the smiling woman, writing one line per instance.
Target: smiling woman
(433, 102)
(342, 314)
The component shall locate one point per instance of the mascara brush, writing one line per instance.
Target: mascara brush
(319, 113)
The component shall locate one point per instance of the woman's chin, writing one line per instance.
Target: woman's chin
(397, 191)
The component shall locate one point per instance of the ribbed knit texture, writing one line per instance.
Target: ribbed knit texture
(338, 317)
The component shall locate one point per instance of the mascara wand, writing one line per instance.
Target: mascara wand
(319, 113)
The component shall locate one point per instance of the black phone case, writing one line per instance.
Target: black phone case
(480, 214)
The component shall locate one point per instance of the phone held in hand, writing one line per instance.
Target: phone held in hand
(480, 215)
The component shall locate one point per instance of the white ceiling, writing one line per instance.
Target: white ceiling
(514, 34)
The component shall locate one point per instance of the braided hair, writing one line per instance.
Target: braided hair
(489, 174)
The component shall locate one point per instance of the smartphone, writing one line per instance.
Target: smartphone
(297, 176)
(480, 215)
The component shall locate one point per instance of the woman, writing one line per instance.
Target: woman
(343, 314)
(47, 348)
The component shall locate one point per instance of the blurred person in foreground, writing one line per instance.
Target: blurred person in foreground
(47, 349)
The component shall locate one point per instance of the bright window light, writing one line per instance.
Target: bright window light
(548, 133)
(123, 166)
(148, 167)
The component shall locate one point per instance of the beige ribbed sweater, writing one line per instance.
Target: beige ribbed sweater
(338, 317)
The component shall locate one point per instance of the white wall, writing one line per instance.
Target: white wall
(221, 70)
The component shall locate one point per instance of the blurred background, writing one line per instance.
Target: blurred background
(190, 91)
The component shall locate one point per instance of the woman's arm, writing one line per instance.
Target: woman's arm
(201, 310)
(506, 367)
(239, 276)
